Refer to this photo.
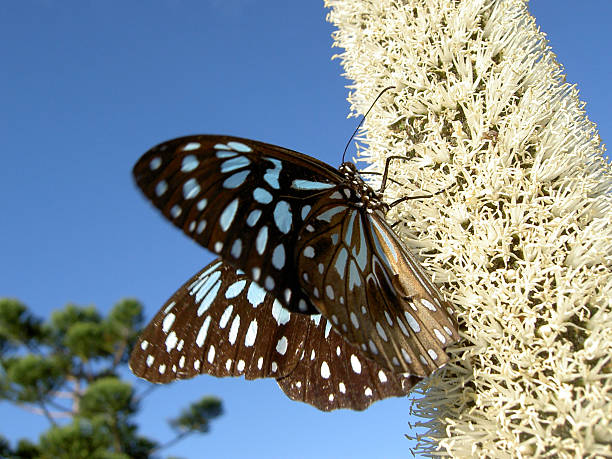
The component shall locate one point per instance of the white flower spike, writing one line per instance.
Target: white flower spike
(521, 240)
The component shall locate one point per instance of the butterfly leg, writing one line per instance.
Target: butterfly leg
(383, 183)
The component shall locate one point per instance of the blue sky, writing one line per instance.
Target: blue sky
(89, 86)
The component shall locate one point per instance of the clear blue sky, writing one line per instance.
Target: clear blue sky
(88, 86)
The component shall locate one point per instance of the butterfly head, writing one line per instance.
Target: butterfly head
(366, 196)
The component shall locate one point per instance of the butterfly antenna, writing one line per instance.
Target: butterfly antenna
(363, 119)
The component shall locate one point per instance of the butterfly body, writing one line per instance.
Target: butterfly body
(313, 237)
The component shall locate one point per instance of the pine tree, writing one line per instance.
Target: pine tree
(68, 369)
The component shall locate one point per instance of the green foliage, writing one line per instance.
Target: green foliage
(198, 415)
(17, 326)
(78, 439)
(32, 377)
(87, 340)
(67, 369)
(26, 449)
(108, 397)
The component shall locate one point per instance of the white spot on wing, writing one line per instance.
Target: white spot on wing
(281, 345)
(412, 322)
(235, 180)
(236, 248)
(381, 331)
(168, 321)
(262, 196)
(189, 163)
(233, 334)
(282, 216)
(203, 332)
(202, 204)
(235, 289)
(278, 257)
(192, 146)
(253, 217)
(280, 314)
(239, 146)
(191, 188)
(176, 211)
(161, 188)
(310, 185)
(225, 317)
(251, 334)
(155, 163)
(439, 335)
(262, 240)
(354, 320)
(234, 163)
(255, 294)
(228, 214)
(171, 341)
(355, 364)
(325, 370)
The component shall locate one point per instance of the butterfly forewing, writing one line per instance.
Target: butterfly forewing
(241, 199)
(223, 324)
(359, 275)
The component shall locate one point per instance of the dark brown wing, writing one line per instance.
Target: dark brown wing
(244, 200)
(361, 277)
(223, 324)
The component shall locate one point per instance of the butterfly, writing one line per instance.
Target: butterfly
(312, 236)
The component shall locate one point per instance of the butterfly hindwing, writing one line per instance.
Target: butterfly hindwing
(218, 323)
(243, 200)
(223, 324)
(335, 374)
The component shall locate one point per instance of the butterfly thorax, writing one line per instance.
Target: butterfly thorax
(364, 193)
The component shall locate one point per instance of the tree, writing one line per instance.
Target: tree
(68, 370)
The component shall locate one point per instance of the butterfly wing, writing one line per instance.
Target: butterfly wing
(242, 199)
(223, 324)
(360, 276)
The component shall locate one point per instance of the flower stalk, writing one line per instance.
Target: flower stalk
(521, 239)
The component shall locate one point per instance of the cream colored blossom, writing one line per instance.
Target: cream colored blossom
(520, 241)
